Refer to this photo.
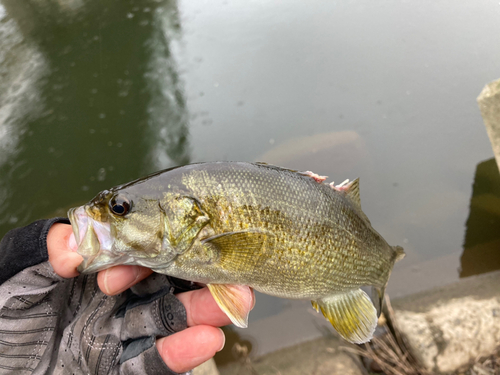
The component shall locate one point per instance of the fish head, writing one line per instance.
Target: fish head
(139, 224)
(116, 227)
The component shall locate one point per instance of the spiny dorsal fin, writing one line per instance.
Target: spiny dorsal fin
(316, 177)
(352, 191)
(272, 166)
(352, 314)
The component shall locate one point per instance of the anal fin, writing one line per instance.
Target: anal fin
(376, 295)
(234, 301)
(352, 314)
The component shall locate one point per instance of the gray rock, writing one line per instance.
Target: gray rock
(321, 356)
(451, 326)
(489, 104)
(207, 368)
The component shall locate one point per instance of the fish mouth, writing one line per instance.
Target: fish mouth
(94, 242)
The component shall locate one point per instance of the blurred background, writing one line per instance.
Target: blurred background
(96, 93)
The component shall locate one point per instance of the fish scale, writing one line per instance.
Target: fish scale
(288, 184)
(282, 232)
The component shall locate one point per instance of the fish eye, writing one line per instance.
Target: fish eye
(119, 205)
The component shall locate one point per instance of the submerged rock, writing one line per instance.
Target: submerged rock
(346, 149)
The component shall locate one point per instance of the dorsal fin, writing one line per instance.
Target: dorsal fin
(352, 191)
(316, 177)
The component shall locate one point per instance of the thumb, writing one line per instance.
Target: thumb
(62, 258)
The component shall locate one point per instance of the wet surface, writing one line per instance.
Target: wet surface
(94, 94)
(482, 238)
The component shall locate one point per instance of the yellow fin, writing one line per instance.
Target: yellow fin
(241, 250)
(234, 301)
(352, 191)
(315, 305)
(246, 241)
(352, 314)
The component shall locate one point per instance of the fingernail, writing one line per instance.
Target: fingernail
(253, 300)
(119, 278)
(224, 340)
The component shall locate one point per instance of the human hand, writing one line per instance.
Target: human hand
(181, 351)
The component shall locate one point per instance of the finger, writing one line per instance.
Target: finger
(62, 258)
(201, 307)
(116, 279)
(187, 349)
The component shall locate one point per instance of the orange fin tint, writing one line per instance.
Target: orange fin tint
(233, 300)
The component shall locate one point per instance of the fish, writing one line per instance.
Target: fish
(230, 225)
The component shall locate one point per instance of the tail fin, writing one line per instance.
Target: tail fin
(399, 253)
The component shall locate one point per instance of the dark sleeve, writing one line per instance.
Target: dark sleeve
(25, 247)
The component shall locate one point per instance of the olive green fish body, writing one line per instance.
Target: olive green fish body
(314, 240)
(282, 232)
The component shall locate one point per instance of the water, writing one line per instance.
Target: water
(96, 93)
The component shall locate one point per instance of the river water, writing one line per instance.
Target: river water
(99, 92)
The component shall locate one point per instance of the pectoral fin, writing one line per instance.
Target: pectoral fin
(352, 314)
(234, 300)
(241, 250)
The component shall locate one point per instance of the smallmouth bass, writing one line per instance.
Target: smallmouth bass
(229, 224)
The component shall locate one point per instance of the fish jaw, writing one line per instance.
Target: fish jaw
(94, 242)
